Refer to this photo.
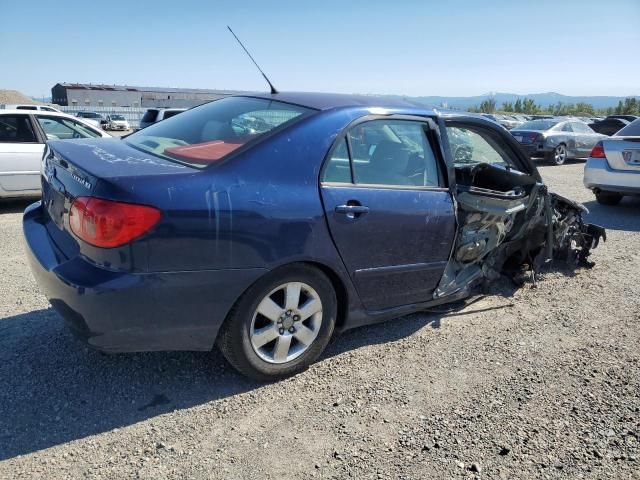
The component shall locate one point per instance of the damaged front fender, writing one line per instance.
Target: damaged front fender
(502, 232)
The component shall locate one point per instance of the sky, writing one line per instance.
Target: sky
(447, 47)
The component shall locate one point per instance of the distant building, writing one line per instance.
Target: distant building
(83, 95)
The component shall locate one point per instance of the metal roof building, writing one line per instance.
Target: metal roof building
(100, 95)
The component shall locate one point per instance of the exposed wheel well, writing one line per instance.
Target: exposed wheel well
(340, 289)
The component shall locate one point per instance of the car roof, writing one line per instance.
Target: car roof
(35, 112)
(327, 101)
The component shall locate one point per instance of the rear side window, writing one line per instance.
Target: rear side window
(384, 152)
(208, 133)
(16, 129)
(26, 107)
(631, 130)
(149, 116)
(58, 128)
(171, 113)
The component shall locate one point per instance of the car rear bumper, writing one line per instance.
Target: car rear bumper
(599, 176)
(535, 149)
(118, 311)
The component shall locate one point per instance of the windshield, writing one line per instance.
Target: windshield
(539, 124)
(117, 117)
(631, 130)
(208, 133)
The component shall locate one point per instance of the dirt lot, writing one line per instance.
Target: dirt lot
(525, 383)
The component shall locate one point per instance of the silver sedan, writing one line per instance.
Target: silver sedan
(556, 139)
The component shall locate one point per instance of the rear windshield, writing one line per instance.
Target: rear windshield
(538, 124)
(208, 133)
(631, 130)
(117, 117)
(88, 115)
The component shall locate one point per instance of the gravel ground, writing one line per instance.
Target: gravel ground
(524, 383)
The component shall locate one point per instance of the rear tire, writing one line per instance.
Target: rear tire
(608, 198)
(558, 156)
(261, 337)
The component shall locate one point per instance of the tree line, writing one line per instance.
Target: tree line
(630, 106)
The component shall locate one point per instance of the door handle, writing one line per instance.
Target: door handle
(352, 211)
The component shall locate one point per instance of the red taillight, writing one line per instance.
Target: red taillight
(108, 224)
(598, 151)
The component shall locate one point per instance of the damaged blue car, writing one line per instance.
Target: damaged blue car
(266, 223)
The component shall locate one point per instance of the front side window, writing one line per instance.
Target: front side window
(16, 129)
(476, 146)
(206, 134)
(57, 128)
(385, 152)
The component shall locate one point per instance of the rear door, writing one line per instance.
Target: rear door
(389, 211)
(20, 155)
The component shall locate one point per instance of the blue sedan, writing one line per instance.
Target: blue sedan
(266, 223)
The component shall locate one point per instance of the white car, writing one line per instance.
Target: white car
(117, 122)
(92, 118)
(22, 140)
(44, 108)
(613, 168)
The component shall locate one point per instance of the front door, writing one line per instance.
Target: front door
(389, 212)
(20, 155)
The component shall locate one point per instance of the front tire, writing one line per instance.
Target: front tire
(608, 198)
(558, 156)
(281, 324)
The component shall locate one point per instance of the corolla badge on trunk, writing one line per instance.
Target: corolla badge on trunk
(82, 181)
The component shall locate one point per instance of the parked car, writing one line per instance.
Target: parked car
(44, 108)
(154, 115)
(117, 122)
(346, 211)
(613, 168)
(556, 139)
(503, 120)
(22, 140)
(610, 125)
(93, 118)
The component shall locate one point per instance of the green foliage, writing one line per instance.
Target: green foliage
(507, 107)
(631, 106)
(488, 106)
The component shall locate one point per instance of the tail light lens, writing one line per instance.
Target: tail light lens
(598, 151)
(108, 224)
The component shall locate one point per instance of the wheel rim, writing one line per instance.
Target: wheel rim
(286, 322)
(560, 154)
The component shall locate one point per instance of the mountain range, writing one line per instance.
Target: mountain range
(542, 99)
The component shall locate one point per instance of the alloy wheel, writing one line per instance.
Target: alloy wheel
(286, 322)
(560, 154)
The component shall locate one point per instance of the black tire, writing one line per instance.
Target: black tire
(608, 198)
(234, 336)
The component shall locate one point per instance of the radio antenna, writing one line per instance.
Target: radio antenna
(273, 89)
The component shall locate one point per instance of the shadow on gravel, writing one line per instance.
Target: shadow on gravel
(624, 216)
(15, 206)
(53, 389)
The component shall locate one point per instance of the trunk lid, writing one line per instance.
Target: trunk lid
(526, 136)
(105, 168)
(623, 153)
